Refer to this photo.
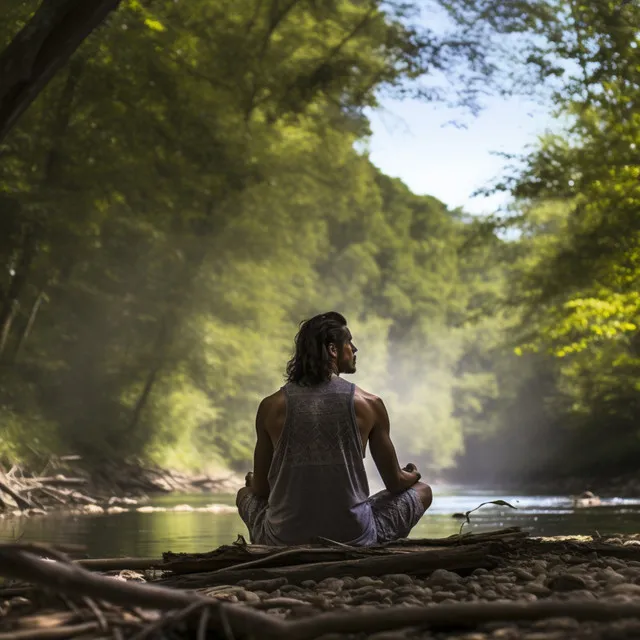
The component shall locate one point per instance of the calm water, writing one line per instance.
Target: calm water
(150, 534)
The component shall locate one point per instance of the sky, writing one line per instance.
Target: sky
(411, 140)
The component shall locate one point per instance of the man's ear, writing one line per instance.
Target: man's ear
(333, 351)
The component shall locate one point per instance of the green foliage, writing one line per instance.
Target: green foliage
(189, 188)
(183, 194)
(574, 282)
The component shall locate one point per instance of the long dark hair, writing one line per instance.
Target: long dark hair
(311, 362)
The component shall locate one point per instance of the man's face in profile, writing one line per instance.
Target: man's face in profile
(347, 355)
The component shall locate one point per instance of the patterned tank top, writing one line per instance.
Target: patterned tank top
(317, 477)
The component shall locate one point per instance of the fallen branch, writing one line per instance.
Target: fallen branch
(120, 564)
(18, 561)
(507, 534)
(61, 480)
(19, 500)
(416, 563)
(467, 614)
(54, 633)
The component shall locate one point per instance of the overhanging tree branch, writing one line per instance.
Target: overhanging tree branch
(41, 48)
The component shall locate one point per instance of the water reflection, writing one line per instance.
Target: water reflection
(150, 534)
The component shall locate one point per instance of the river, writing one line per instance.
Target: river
(150, 534)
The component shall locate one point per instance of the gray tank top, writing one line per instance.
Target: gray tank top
(317, 477)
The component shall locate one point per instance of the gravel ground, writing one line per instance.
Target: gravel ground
(555, 577)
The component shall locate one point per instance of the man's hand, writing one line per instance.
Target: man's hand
(411, 468)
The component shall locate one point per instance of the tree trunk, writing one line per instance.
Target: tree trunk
(12, 305)
(41, 48)
(158, 351)
(27, 329)
(11, 302)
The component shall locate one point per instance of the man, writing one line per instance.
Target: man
(309, 479)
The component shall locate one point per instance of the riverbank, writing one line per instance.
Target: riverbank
(616, 486)
(65, 484)
(619, 486)
(516, 588)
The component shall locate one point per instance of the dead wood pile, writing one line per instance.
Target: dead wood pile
(65, 484)
(52, 596)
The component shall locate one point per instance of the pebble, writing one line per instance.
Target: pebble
(524, 575)
(263, 585)
(565, 582)
(537, 589)
(556, 623)
(625, 587)
(331, 584)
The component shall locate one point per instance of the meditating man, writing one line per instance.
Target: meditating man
(309, 480)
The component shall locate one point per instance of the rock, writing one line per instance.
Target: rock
(310, 584)
(265, 585)
(506, 633)
(565, 582)
(362, 590)
(92, 509)
(479, 572)
(247, 596)
(581, 594)
(615, 563)
(399, 579)
(489, 594)
(443, 595)
(444, 577)
(364, 581)
(627, 588)
(182, 507)
(539, 567)
(19, 601)
(521, 574)
(291, 588)
(114, 510)
(556, 623)
(331, 584)
(389, 635)
(537, 589)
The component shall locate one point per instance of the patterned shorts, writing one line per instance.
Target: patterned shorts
(395, 514)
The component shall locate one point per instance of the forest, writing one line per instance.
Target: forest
(194, 181)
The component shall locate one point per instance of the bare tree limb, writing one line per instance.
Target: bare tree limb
(41, 48)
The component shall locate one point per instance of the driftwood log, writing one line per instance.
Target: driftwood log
(465, 558)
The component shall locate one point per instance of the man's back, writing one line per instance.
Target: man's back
(318, 484)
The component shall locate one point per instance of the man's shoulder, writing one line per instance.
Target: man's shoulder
(367, 397)
(273, 401)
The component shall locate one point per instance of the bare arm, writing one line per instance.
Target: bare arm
(262, 455)
(384, 454)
